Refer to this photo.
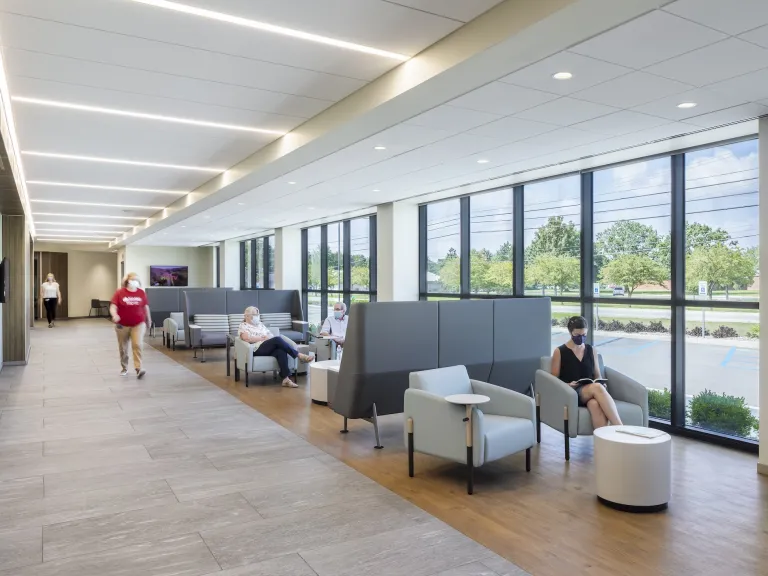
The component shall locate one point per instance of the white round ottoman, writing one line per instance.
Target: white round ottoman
(633, 473)
(318, 379)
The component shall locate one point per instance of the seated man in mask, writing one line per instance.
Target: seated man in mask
(335, 327)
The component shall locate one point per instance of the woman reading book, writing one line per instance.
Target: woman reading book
(575, 363)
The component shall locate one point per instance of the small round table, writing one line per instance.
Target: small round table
(633, 473)
(468, 400)
(318, 380)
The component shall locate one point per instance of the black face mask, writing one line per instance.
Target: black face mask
(579, 339)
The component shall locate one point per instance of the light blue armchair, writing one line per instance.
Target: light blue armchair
(503, 426)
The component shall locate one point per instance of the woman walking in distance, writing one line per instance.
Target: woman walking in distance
(50, 294)
(130, 313)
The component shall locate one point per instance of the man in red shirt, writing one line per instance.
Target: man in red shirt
(130, 313)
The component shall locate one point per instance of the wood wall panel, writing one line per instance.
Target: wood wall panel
(16, 309)
(58, 263)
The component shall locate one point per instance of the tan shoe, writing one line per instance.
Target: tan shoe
(288, 383)
(307, 358)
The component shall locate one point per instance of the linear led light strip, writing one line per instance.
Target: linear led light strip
(71, 240)
(100, 187)
(142, 115)
(255, 24)
(89, 216)
(118, 161)
(134, 206)
(78, 224)
(47, 235)
(54, 231)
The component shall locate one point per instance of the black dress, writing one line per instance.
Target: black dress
(573, 369)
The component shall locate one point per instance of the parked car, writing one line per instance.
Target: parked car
(618, 291)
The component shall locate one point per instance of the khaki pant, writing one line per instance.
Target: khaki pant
(136, 336)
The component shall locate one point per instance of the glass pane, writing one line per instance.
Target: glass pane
(335, 256)
(552, 239)
(247, 265)
(313, 259)
(258, 244)
(360, 298)
(332, 299)
(444, 247)
(636, 341)
(721, 222)
(313, 311)
(271, 240)
(632, 226)
(360, 244)
(490, 241)
(561, 312)
(721, 370)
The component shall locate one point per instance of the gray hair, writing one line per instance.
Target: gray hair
(343, 306)
(251, 311)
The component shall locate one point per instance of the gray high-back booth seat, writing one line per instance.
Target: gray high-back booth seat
(499, 341)
(207, 313)
(559, 405)
(163, 301)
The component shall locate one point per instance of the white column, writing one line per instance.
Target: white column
(230, 264)
(288, 259)
(397, 246)
(762, 465)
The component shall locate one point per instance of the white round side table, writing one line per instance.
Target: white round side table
(318, 379)
(633, 473)
(468, 400)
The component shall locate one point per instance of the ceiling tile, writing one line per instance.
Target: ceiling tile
(562, 139)
(648, 39)
(452, 119)
(751, 87)
(706, 101)
(730, 115)
(632, 90)
(456, 9)
(714, 63)
(503, 99)
(757, 36)
(512, 129)
(732, 17)
(566, 111)
(620, 123)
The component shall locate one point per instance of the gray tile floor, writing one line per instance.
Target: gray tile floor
(103, 475)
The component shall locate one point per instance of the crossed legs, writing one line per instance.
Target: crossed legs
(601, 406)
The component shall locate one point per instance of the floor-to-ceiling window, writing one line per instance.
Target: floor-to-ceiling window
(339, 263)
(257, 263)
(659, 254)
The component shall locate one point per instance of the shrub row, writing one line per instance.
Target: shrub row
(632, 327)
(719, 413)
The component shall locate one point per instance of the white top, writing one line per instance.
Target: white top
(467, 399)
(255, 331)
(336, 328)
(627, 435)
(50, 290)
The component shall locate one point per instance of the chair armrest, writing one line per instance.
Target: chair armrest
(171, 326)
(622, 387)
(195, 335)
(243, 354)
(554, 395)
(275, 331)
(439, 428)
(505, 402)
(301, 326)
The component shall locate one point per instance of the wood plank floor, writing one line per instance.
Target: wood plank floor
(548, 521)
(103, 475)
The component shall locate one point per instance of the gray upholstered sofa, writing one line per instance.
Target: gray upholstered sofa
(499, 341)
(164, 301)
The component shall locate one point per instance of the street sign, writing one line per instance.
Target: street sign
(596, 290)
(702, 288)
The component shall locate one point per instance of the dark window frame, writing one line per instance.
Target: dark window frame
(266, 262)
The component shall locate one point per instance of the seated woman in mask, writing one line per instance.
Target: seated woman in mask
(267, 344)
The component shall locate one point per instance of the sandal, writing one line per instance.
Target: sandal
(307, 358)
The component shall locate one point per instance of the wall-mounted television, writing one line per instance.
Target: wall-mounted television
(169, 276)
(5, 280)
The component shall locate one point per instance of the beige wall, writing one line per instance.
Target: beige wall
(91, 274)
(200, 261)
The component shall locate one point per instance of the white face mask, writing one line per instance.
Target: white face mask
(50, 278)
(255, 319)
(133, 283)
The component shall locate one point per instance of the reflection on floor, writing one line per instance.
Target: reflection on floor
(102, 475)
(547, 522)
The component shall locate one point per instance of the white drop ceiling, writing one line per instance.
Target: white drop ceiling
(626, 85)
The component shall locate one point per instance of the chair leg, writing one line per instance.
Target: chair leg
(410, 447)
(538, 418)
(376, 428)
(246, 376)
(237, 374)
(567, 435)
(195, 353)
(470, 471)
(527, 459)
(346, 430)
(203, 360)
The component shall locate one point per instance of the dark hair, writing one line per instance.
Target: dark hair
(577, 323)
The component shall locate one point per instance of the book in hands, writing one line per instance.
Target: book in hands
(582, 381)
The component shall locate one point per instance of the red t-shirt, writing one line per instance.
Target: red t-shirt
(130, 306)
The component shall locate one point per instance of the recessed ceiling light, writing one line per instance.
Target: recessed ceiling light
(241, 203)
(230, 19)
(291, 183)
(89, 216)
(483, 161)
(142, 115)
(183, 226)
(310, 207)
(78, 224)
(118, 161)
(99, 187)
(206, 217)
(376, 190)
(562, 76)
(685, 105)
(379, 147)
(97, 204)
